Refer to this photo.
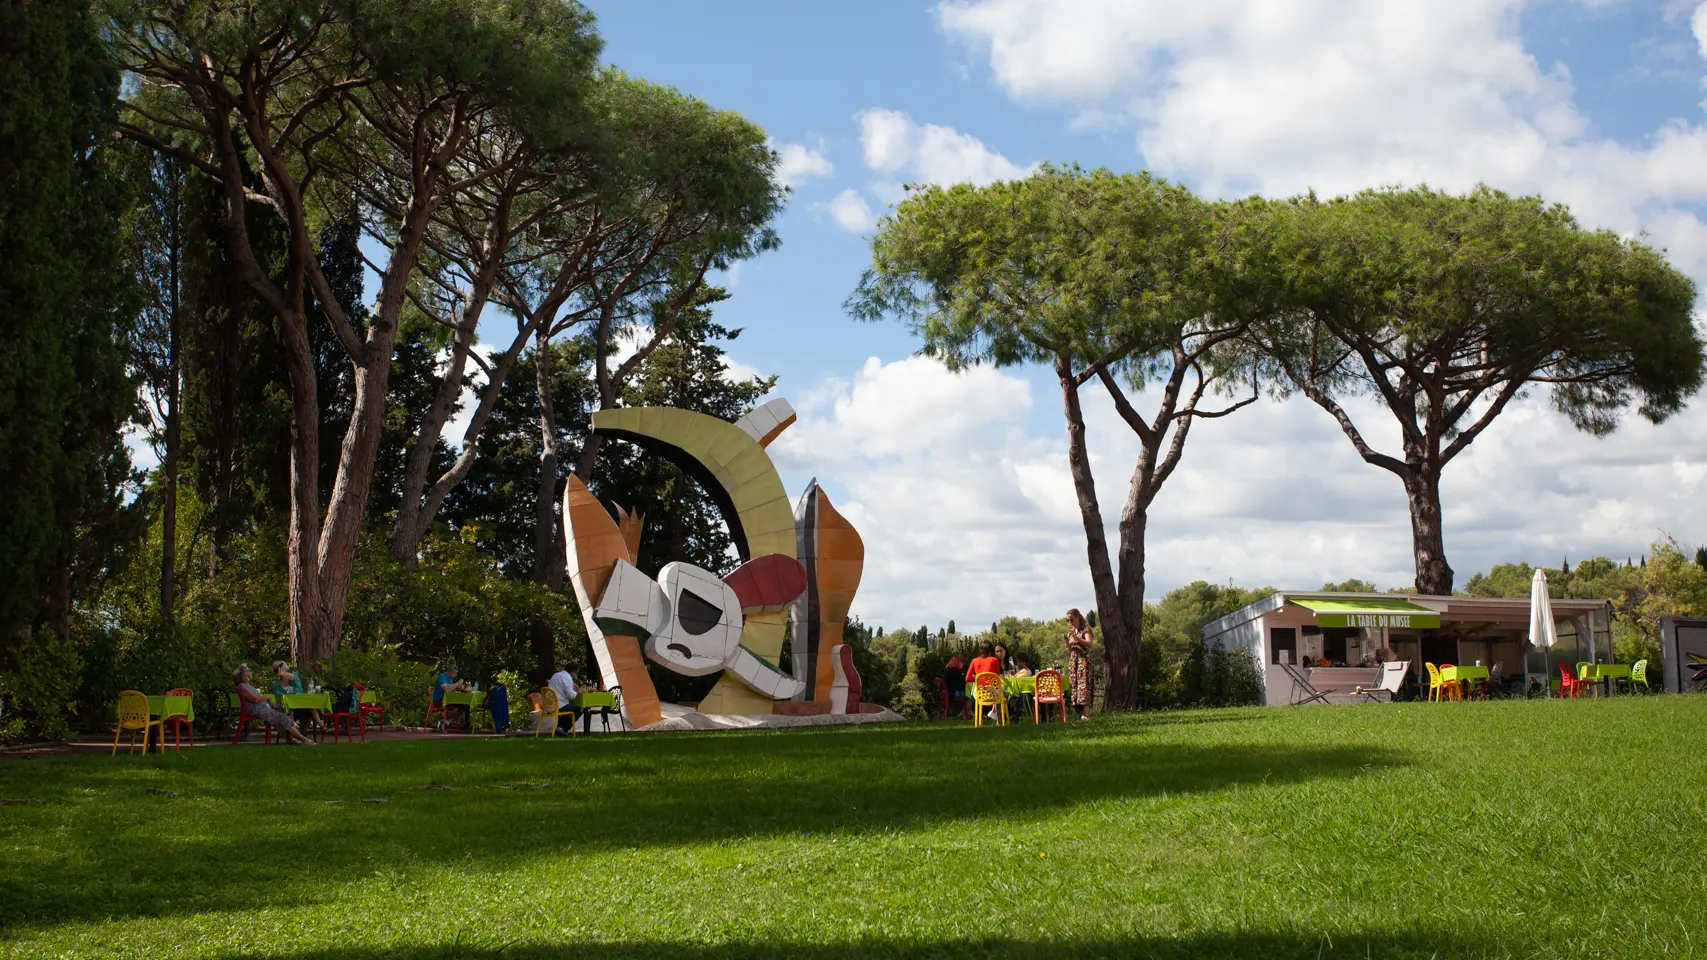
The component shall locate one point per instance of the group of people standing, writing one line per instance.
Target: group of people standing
(993, 658)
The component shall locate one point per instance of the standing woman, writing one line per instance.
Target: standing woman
(1079, 643)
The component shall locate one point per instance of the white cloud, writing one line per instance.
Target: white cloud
(967, 510)
(895, 146)
(1339, 95)
(937, 474)
(459, 420)
(735, 371)
(929, 153)
(850, 211)
(1698, 25)
(798, 163)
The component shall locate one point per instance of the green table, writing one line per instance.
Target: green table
(164, 707)
(465, 698)
(1609, 672)
(1011, 686)
(1464, 675)
(304, 701)
(589, 700)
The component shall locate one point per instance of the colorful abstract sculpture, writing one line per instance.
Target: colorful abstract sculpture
(834, 557)
(803, 564)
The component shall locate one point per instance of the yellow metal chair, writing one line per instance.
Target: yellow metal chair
(987, 692)
(549, 707)
(134, 716)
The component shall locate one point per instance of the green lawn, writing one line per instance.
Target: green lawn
(1523, 829)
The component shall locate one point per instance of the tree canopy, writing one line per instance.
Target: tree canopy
(1446, 308)
(1120, 278)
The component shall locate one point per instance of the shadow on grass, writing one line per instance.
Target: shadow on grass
(1244, 946)
(154, 855)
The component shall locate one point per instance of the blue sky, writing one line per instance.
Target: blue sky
(959, 484)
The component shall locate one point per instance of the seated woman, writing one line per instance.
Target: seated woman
(954, 678)
(984, 662)
(286, 681)
(1019, 704)
(447, 682)
(258, 706)
(1002, 658)
(1022, 666)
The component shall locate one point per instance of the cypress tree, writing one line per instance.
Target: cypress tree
(62, 378)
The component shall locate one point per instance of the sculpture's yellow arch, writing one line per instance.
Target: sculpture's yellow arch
(730, 462)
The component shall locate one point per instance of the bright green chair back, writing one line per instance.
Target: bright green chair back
(1585, 670)
(1639, 674)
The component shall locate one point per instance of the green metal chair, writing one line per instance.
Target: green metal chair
(1639, 676)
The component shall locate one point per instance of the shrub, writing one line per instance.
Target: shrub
(911, 701)
(402, 686)
(38, 682)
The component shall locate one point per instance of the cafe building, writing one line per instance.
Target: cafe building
(1338, 640)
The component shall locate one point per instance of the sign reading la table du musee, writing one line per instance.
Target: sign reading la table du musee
(1421, 621)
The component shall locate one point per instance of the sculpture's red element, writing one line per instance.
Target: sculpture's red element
(767, 583)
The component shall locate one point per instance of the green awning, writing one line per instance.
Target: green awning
(1373, 612)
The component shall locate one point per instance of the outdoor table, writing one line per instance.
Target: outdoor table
(164, 706)
(465, 698)
(1609, 672)
(185, 707)
(1011, 687)
(321, 701)
(1464, 675)
(589, 700)
(304, 701)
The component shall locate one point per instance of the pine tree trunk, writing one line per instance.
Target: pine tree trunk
(550, 559)
(411, 525)
(1125, 686)
(307, 614)
(1117, 632)
(1428, 542)
(169, 467)
(348, 505)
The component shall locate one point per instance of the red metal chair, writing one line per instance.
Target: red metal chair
(345, 718)
(180, 725)
(434, 706)
(375, 710)
(1569, 685)
(243, 720)
(945, 702)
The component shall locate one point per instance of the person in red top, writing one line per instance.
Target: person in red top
(984, 662)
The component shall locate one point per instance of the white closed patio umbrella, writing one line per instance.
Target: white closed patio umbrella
(1543, 632)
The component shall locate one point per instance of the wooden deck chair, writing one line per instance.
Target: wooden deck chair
(1302, 691)
(1392, 677)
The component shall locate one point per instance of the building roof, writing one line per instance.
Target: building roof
(1485, 612)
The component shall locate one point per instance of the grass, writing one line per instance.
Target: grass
(1521, 829)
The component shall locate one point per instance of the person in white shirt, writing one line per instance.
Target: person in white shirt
(563, 683)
